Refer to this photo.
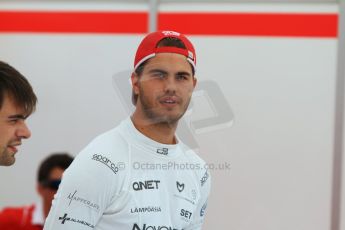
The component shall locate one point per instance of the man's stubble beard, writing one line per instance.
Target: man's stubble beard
(6, 159)
(156, 118)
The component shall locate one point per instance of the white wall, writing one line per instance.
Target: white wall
(277, 138)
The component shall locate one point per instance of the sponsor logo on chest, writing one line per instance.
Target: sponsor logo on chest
(146, 185)
(185, 194)
(152, 227)
(163, 151)
(146, 209)
(65, 218)
(104, 160)
(73, 197)
(185, 214)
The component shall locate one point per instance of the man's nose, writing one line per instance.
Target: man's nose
(170, 84)
(23, 131)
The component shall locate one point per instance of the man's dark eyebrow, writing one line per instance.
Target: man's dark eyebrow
(165, 72)
(158, 70)
(17, 116)
(184, 73)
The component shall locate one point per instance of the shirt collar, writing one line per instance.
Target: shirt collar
(152, 146)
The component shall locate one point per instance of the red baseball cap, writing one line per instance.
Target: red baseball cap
(148, 47)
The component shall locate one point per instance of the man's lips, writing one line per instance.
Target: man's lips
(170, 100)
(13, 147)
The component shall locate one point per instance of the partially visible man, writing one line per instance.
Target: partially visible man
(17, 102)
(32, 217)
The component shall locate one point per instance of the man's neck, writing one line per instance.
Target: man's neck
(159, 131)
(46, 208)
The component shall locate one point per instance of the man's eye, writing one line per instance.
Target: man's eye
(159, 75)
(182, 77)
(13, 121)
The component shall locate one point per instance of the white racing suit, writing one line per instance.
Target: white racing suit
(125, 181)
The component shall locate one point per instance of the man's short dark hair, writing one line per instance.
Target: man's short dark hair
(165, 42)
(55, 160)
(16, 86)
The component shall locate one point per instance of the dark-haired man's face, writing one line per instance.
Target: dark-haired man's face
(165, 87)
(12, 130)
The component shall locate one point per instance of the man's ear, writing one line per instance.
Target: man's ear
(194, 81)
(135, 83)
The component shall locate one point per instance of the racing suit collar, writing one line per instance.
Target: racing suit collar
(150, 144)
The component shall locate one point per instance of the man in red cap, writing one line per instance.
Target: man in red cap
(139, 175)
